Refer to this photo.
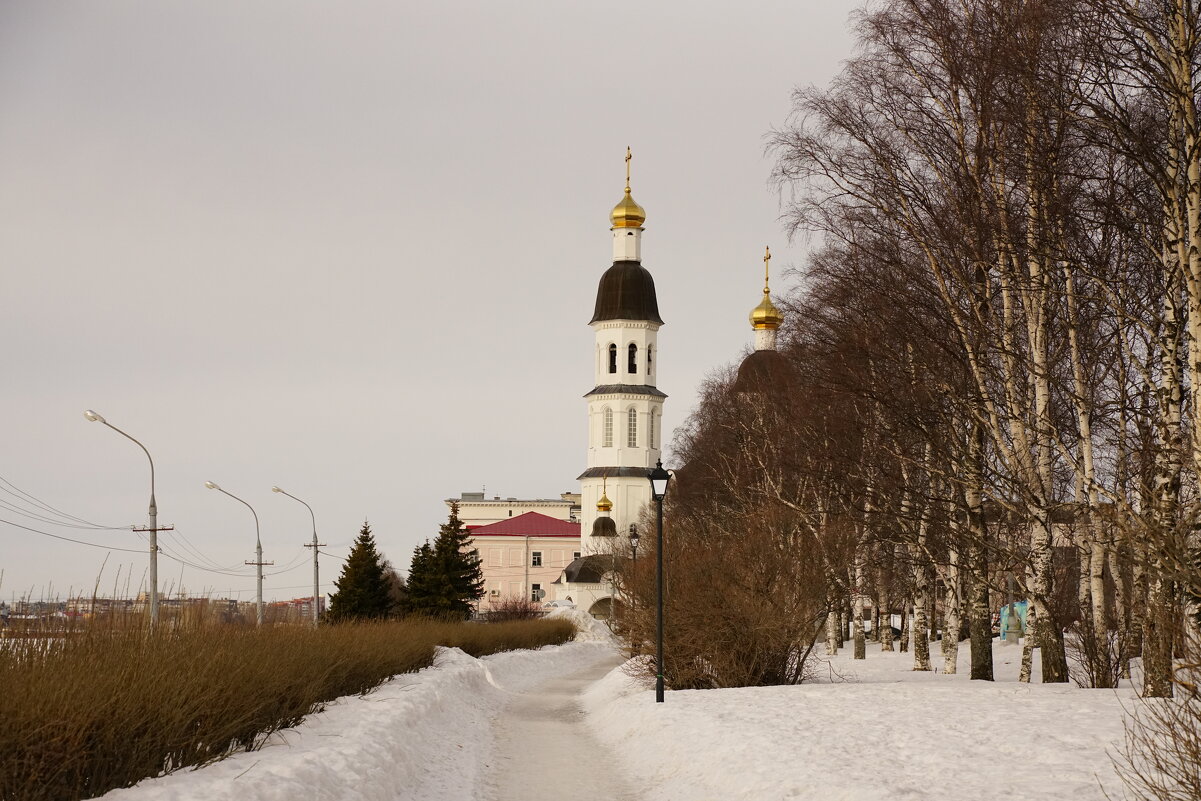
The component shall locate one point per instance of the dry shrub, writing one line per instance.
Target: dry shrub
(87, 713)
(1161, 757)
(479, 639)
(514, 608)
(745, 602)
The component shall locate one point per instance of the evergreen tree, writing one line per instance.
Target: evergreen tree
(363, 588)
(446, 577)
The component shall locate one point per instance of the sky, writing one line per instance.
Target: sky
(351, 249)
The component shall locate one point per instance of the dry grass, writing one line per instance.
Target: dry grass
(88, 712)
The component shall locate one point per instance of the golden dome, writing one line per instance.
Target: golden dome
(604, 504)
(627, 213)
(766, 315)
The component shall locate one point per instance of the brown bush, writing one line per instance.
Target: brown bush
(514, 608)
(1161, 757)
(105, 708)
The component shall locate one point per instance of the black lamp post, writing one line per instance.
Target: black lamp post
(659, 480)
(634, 541)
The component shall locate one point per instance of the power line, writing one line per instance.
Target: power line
(68, 539)
(24, 496)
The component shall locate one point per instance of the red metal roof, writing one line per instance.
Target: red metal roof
(531, 524)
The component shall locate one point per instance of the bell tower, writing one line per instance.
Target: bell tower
(625, 408)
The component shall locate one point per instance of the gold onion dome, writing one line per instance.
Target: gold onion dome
(627, 213)
(604, 504)
(766, 315)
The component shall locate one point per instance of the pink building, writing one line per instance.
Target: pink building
(522, 556)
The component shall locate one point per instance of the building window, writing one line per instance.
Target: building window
(535, 590)
(607, 433)
(536, 559)
(633, 366)
(650, 367)
(632, 429)
(575, 555)
(612, 358)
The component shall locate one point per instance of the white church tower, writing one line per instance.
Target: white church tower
(625, 409)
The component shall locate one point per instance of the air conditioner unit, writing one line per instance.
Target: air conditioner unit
(494, 592)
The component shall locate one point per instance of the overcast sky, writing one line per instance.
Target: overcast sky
(352, 249)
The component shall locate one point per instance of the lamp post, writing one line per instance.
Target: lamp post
(659, 479)
(258, 554)
(153, 529)
(634, 593)
(314, 545)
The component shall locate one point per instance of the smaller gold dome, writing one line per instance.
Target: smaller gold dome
(604, 504)
(766, 315)
(627, 213)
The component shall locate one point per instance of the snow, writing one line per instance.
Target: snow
(423, 736)
(868, 730)
(882, 731)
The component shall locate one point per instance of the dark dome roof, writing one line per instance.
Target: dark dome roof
(764, 371)
(626, 292)
(604, 527)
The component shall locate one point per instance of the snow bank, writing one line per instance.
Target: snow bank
(886, 734)
(424, 735)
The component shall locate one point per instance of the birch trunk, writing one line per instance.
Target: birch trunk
(831, 633)
(979, 609)
(885, 613)
(921, 598)
(951, 621)
(857, 609)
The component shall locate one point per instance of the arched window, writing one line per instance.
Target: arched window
(633, 367)
(612, 358)
(607, 429)
(650, 367)
(650, 431)
(632, 429)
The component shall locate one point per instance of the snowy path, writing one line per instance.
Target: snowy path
(545, 749)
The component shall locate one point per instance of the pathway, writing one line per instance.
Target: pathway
(544, 748)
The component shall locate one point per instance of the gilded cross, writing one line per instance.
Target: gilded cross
(766, 267)
(629, 156)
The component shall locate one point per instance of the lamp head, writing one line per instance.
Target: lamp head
(276, 489)
(95, 418)
(211, 485)
(659, 480)
(634, 536)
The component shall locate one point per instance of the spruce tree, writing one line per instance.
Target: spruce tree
(363, 589)
(446, 577)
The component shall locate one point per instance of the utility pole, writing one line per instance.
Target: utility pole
(153, 529)
(258, 569)
(258, 552)
(314, 545)
(316, 580)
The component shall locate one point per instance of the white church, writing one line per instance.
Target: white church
(625, 415)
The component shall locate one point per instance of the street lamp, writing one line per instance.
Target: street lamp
(659, 479)
(314, 546)
(258, 553)
(153, 529)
